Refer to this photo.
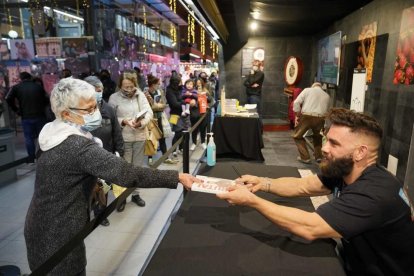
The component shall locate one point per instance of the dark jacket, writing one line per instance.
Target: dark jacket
(109, 88)
(110, 132)
(32, 100)
(257, 77)
(174, 99)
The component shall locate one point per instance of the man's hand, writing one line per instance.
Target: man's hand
(255, 85)
(187, 180)
(238, 195)
(296, 121)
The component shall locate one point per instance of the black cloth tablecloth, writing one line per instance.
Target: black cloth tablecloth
(209, 237)
(238, 137)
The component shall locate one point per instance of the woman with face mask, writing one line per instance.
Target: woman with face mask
(109, 132)
(127, 102)
(68, 165)
(156, 98)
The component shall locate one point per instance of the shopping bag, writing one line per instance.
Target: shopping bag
(166, 127)
(151, 144)
(154, 129)
(174, 119)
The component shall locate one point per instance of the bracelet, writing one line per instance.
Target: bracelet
(267, 184)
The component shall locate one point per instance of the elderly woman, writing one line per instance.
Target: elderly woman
(128, 101)
(67, 169)
(109, 132)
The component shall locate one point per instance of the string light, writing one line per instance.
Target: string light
(202, 40)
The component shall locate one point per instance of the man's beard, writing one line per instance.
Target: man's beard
(337, 168)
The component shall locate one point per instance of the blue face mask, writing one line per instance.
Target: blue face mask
(92, 121)
(98, 97)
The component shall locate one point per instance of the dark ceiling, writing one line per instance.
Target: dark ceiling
(281, 17)
(287, 17)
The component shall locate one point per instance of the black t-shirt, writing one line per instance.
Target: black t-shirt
(374, 221)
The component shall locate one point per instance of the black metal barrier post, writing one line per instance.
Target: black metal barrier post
(186, 152)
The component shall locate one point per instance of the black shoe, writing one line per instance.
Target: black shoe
(121, 206)
(105, 222)
(138, 200)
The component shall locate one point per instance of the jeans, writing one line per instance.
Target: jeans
(254, 99)
(31, 130)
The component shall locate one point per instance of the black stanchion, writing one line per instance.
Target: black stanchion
(186, 152)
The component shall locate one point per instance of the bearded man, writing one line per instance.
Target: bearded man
(367, 212)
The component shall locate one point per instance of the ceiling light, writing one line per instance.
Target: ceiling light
(66, 14)
(253, 25)
(255, 14)
(13, 34)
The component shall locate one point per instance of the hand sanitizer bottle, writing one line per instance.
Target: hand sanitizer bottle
(211, 151)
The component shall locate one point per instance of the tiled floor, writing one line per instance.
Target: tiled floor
(123, 247)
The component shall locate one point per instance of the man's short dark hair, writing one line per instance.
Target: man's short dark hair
(356, 121)
(25, 76)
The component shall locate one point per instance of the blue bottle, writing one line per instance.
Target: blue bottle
(218, 113)
(211, 151)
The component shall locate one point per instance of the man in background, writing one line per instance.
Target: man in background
(253, 84)
(310, 108)
(29, 100)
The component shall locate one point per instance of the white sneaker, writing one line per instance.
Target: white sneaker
(204, 145)
(192, 147)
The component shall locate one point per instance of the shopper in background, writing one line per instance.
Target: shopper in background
(175, 101)
(156, 98)
(108, 84)
(69, 164)
(253, 84)
(29, 100)
(203, 105)
(127, 102)
(369, 210)
(109, 132)
(66, 73)
(310, 108)
(140, 78)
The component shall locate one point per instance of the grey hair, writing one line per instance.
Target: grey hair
(67, 93)
(94, 81)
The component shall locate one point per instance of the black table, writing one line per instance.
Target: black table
(209, 237)
(238, 137)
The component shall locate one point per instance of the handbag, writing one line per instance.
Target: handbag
(154, 128)
(151, 143)
(166, 127)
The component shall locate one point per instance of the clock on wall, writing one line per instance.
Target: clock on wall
(293, 70)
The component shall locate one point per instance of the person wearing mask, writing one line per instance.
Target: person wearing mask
(109, 132)
(140, 78)
(174, 100)
(369, 210)
(127, 102)
(32, 103)
(156, 98)
(108, 84)
(310, 108)
(70, 161)
(253, 84)
(204, 104)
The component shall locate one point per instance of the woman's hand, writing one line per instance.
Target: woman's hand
(253, 183)
(193, 102)
(187, 180)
